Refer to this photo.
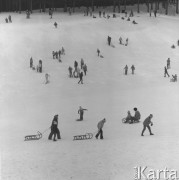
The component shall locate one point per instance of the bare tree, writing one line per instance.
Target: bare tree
(138, 6)
(177, 6)
(166, 6)
(92, 5)
(119, 6)
(65, 6)
(125, 4)
(73, 2)
(20, 6)
(114, 6)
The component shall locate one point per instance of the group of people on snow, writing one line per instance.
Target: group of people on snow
(126, 69)
(9, 19)
(78, 71)
(168, 66)
(38, 67)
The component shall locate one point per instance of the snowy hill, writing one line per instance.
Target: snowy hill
(28, 104)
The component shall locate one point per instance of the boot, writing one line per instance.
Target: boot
(151, 134)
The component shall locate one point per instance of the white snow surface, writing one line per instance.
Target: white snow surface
(27, 104)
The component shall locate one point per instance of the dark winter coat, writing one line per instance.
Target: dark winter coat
(54, 126)
(101, 124)
(147, 121)
(137, 115)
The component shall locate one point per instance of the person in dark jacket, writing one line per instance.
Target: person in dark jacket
(40, 66)
(31, 62)
(136, 116)
(55, 24)
(109, 40)
(132, 68)
(85, 69)
(81, 112)
(81, 78)
(166, 72)
(54, 129)
(125, 70)
(100, 127)
(147, 122)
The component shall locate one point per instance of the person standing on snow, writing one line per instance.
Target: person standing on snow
(109, 40)
(100, 127)
(81, 78)
(168, 63)
(82, 63)
(132, 68)
(54, 129)
(70, 69)
(81, 112)
(146, 123)
(125, 70)
(85, 69)
(31, 62)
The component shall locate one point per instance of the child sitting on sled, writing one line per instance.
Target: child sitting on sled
(128, 118)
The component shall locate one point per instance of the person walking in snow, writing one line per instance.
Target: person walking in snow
(109, 40)
(146, 124)
(126, 42)
(75, 65)
(81, 78)
(99, 13)
(55, 24)
(120, 40)
(98, 51)
(125, 70)
(10, 20)
(136, 116)
(155, 13)
(70, 69)
(6, 20)
(81, 112)
(166, 72)
(132, 68)
(85, 69)
(31, 62)
(54, 129)
(100, 128)
(47, 78)
(63, 51)
(40, 66)
(168, 63)
(82, 63)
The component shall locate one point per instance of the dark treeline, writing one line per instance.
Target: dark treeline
(22, 5)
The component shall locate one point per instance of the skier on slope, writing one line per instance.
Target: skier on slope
(146, 123)
(81, 112)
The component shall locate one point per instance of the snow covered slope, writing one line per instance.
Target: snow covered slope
(27, 105)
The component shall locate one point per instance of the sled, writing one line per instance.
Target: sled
(129, 122)
(83, 137)
(33, 137)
